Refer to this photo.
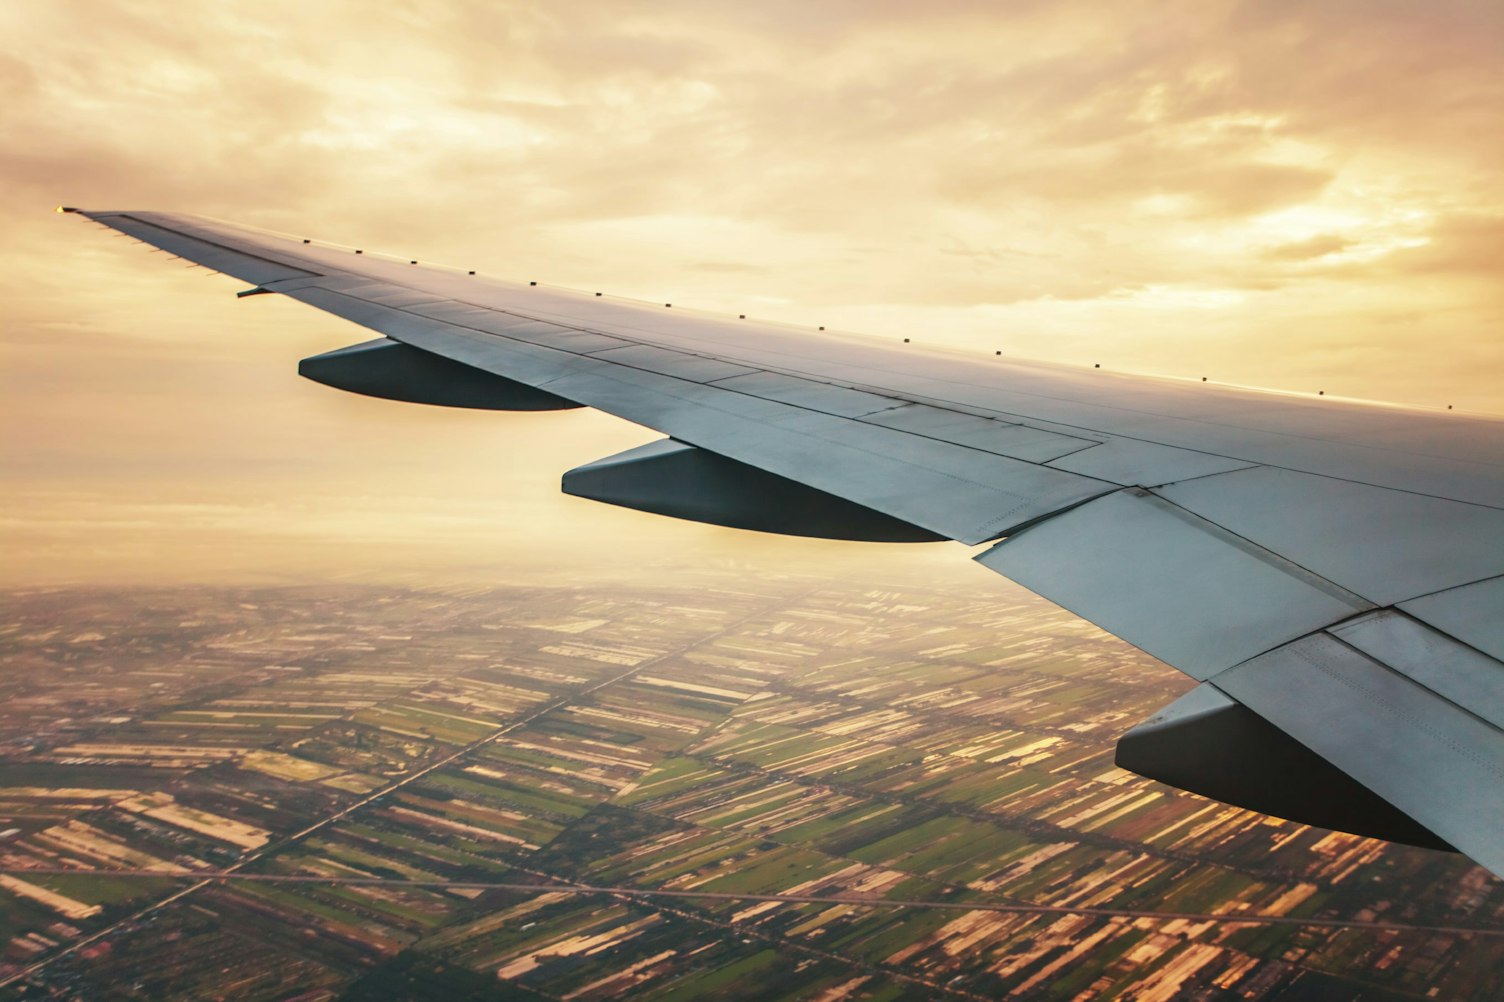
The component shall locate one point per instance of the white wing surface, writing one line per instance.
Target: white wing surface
(1332, 573)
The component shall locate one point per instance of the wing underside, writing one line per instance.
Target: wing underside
(1331, 574)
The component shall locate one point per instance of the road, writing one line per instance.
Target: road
(203, 877)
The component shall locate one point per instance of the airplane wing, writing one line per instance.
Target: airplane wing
(1331, 573)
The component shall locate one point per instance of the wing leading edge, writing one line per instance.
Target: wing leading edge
(1331, 573)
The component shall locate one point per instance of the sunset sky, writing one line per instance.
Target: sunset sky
(1285, 194)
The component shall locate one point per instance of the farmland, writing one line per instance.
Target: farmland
(388, 772)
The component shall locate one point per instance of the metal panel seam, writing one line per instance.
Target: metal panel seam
(1263, 553)
(606, 374)
(1008, 424)
(1430, 626)
(1299, 650)
(1303, 637)
(1328, 476)
(1443, 591)
(1199, 476)
(1042, 518)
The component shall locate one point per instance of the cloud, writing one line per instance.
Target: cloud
(1318, 246)
(1203, 187)
(1466, 244)
(1273, 192)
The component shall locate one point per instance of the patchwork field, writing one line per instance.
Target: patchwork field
(842, 788)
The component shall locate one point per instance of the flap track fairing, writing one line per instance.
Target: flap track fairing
(1209, 743)
(682, 481)
(396, 371)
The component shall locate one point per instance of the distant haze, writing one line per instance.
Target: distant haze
(1304, 196)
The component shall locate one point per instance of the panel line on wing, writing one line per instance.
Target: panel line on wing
(1185, 589)
(1461, 674)
(1308, 649)
(1450, 588)
(1390, 546)
(1260, 552)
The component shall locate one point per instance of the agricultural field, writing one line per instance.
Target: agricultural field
(785, 788)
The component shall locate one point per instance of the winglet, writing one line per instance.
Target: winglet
(65, 208)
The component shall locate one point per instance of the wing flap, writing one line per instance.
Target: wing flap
(1451, 670)
(1185, 590)
(1132, 463)
(1436, 761)
(817, 396)
(1385, 545)
(682, 364)
(1471, 613)
(1005, 438)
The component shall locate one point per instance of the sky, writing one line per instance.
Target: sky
(1299, 195)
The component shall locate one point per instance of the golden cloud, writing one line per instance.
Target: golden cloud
(1284, 193)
